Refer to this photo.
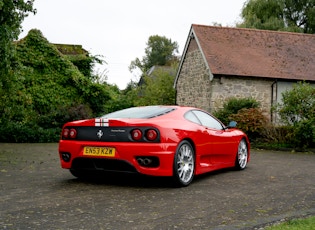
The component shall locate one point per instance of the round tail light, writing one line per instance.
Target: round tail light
(65, 133)
(73, 133)
(151, 135)
(136, 134)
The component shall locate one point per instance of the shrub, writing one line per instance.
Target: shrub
(304, 134)
(298, 111)
(298, 104)
(251, 121)
(276, 136)
(232, 106)
(28, 133)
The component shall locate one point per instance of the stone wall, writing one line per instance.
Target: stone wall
(193, 85)
(226, 87)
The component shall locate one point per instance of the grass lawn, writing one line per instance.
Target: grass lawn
(296, 224)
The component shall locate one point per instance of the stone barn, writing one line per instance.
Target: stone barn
(220, 62)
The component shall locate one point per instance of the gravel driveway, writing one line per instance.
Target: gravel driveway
(37, 194)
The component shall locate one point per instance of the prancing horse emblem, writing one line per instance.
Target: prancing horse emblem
(99, 134)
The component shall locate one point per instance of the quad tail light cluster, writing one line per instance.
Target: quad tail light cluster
(137, 134)
(150, 134)
(69, 133)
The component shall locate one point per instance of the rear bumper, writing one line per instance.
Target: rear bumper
(125, 158)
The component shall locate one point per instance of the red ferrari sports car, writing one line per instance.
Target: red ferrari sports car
(154, 140)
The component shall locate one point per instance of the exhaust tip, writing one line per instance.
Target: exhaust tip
(148, 161)
(66, 157)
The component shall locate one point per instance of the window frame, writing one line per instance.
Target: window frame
(200, 122)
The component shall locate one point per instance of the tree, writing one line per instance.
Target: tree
(122, 99)
(12, 14)
(84, 61)
(298, 111)
(47, 91)
(158, 89)
(159, 51)
(283, 15)
(298, 104)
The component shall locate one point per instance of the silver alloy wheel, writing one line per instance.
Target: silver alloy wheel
(185, 163)
(242, 154)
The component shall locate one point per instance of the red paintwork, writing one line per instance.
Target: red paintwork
(214, 149)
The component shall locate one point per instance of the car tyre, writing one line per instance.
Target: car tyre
(184, 164)
(242, 155)
(79, 173)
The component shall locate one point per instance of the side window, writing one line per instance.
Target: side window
(207, 120)
(190, 116)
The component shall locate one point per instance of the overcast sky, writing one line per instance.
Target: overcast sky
(119, 29)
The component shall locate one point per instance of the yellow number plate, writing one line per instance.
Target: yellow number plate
(99, 151)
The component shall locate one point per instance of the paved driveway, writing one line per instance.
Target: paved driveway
(37, 194)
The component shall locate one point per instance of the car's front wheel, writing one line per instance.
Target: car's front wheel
(184, 164)
(242, 155)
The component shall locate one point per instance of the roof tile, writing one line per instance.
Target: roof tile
(259, 53)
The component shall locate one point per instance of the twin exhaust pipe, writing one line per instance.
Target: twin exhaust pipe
(144, 161)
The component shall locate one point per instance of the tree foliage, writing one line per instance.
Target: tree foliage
(298, 104)
(121, 99)
(12, 14)
(48, 88)
(158, 89)
(298, 110)
(282, 15)
(159, 51)
(47, 91)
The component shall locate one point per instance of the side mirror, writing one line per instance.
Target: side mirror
(232, 124)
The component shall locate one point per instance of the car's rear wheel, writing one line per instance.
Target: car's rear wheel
(242, 155)
(79, 173)
(184, 164)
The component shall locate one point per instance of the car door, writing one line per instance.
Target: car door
(220, 139)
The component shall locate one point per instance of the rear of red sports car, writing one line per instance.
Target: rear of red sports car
(154, 140)
(124, 144)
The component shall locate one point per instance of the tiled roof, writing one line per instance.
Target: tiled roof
(258, 53)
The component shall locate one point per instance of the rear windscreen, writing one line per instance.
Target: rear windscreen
(140, 112)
